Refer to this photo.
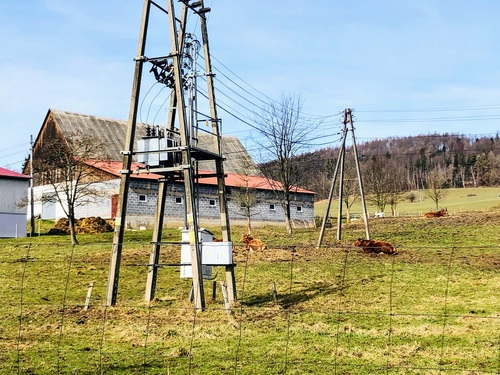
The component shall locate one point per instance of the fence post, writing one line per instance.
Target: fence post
(87, 300)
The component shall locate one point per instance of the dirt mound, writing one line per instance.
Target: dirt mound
(88, 225)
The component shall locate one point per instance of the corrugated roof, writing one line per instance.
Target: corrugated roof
(254, 182)
(114, 168)
(231, 180)
(113, 132)
(11, 174)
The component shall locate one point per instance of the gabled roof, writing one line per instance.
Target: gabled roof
(112, 132)
(7, 173)
(231, 180)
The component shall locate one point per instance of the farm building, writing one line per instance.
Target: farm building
(240, 169)
(13, 191)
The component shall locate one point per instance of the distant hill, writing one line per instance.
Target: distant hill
(465, 161)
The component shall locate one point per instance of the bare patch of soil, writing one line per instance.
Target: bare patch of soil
(88, 225)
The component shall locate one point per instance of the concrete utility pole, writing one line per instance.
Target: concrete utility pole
(180, 165)
(340, 167)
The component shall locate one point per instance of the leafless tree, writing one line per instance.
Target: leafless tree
(351, 186)
(283, 134)
(376, 181)
(385, 181)
(436, 181)
(396, 183)
(246, 195)
(67, 164)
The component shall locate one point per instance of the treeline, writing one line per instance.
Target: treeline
(408, 163)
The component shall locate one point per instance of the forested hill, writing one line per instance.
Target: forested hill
(458, 160)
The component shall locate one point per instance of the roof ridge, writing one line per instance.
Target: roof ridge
(55, 110)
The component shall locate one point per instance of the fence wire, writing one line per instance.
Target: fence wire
(427, 310)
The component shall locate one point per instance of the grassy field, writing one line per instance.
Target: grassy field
(432, 309)
(456, 200)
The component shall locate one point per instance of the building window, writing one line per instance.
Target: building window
(178, 200)
(211, 202)
(143, 198)
(299, 208)
(272, 207)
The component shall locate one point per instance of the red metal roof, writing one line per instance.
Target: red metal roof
(255, 182)
(114, 168)
(11, 174)
(231, 180)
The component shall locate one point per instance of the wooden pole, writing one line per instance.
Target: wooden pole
(226, 298)
(360, 180)
(219, 166)
(89, 293)
(332, 188)
(191, 212)
(154, 257)
(114, 267)
(162, 188)
(341, 192)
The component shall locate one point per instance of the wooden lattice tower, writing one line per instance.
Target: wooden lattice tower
(183, 156)
(339, 171)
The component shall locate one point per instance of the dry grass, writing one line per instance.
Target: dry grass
(431, 309)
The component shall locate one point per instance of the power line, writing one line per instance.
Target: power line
(438, 109)
(435, 119)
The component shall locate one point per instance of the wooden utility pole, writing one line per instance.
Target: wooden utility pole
(181, 164)
(116, 253)
(340, 167)
(224, 216)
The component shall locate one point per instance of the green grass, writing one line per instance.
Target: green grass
(434, 308)
(456, 200)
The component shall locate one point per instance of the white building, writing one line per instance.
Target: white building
(13, 192)
(239, 168)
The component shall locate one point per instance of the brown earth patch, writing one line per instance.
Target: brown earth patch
(88, 225)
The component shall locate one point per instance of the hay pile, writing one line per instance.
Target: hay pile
(88, 225)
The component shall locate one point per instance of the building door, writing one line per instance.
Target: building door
(114, 205)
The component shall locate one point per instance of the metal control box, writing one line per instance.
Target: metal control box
(186, 268)
(217, 253)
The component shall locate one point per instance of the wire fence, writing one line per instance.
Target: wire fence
(299, 310)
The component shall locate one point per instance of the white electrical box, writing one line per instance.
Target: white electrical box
(186, 268)
(217, 253)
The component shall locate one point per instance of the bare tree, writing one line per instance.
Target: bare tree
(67, 164)
(283, 135)
(385, 180)
(246, 195)
(436, 181)
(351, 187)
(396, 184)
(395, 197)
(376, 180)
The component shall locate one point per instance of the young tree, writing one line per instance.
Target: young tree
(246, 195)
(284, 134)
(385, 180)
(396, 184)
(436, 181)
(376, 180)
(67, 165)
(351, 186)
